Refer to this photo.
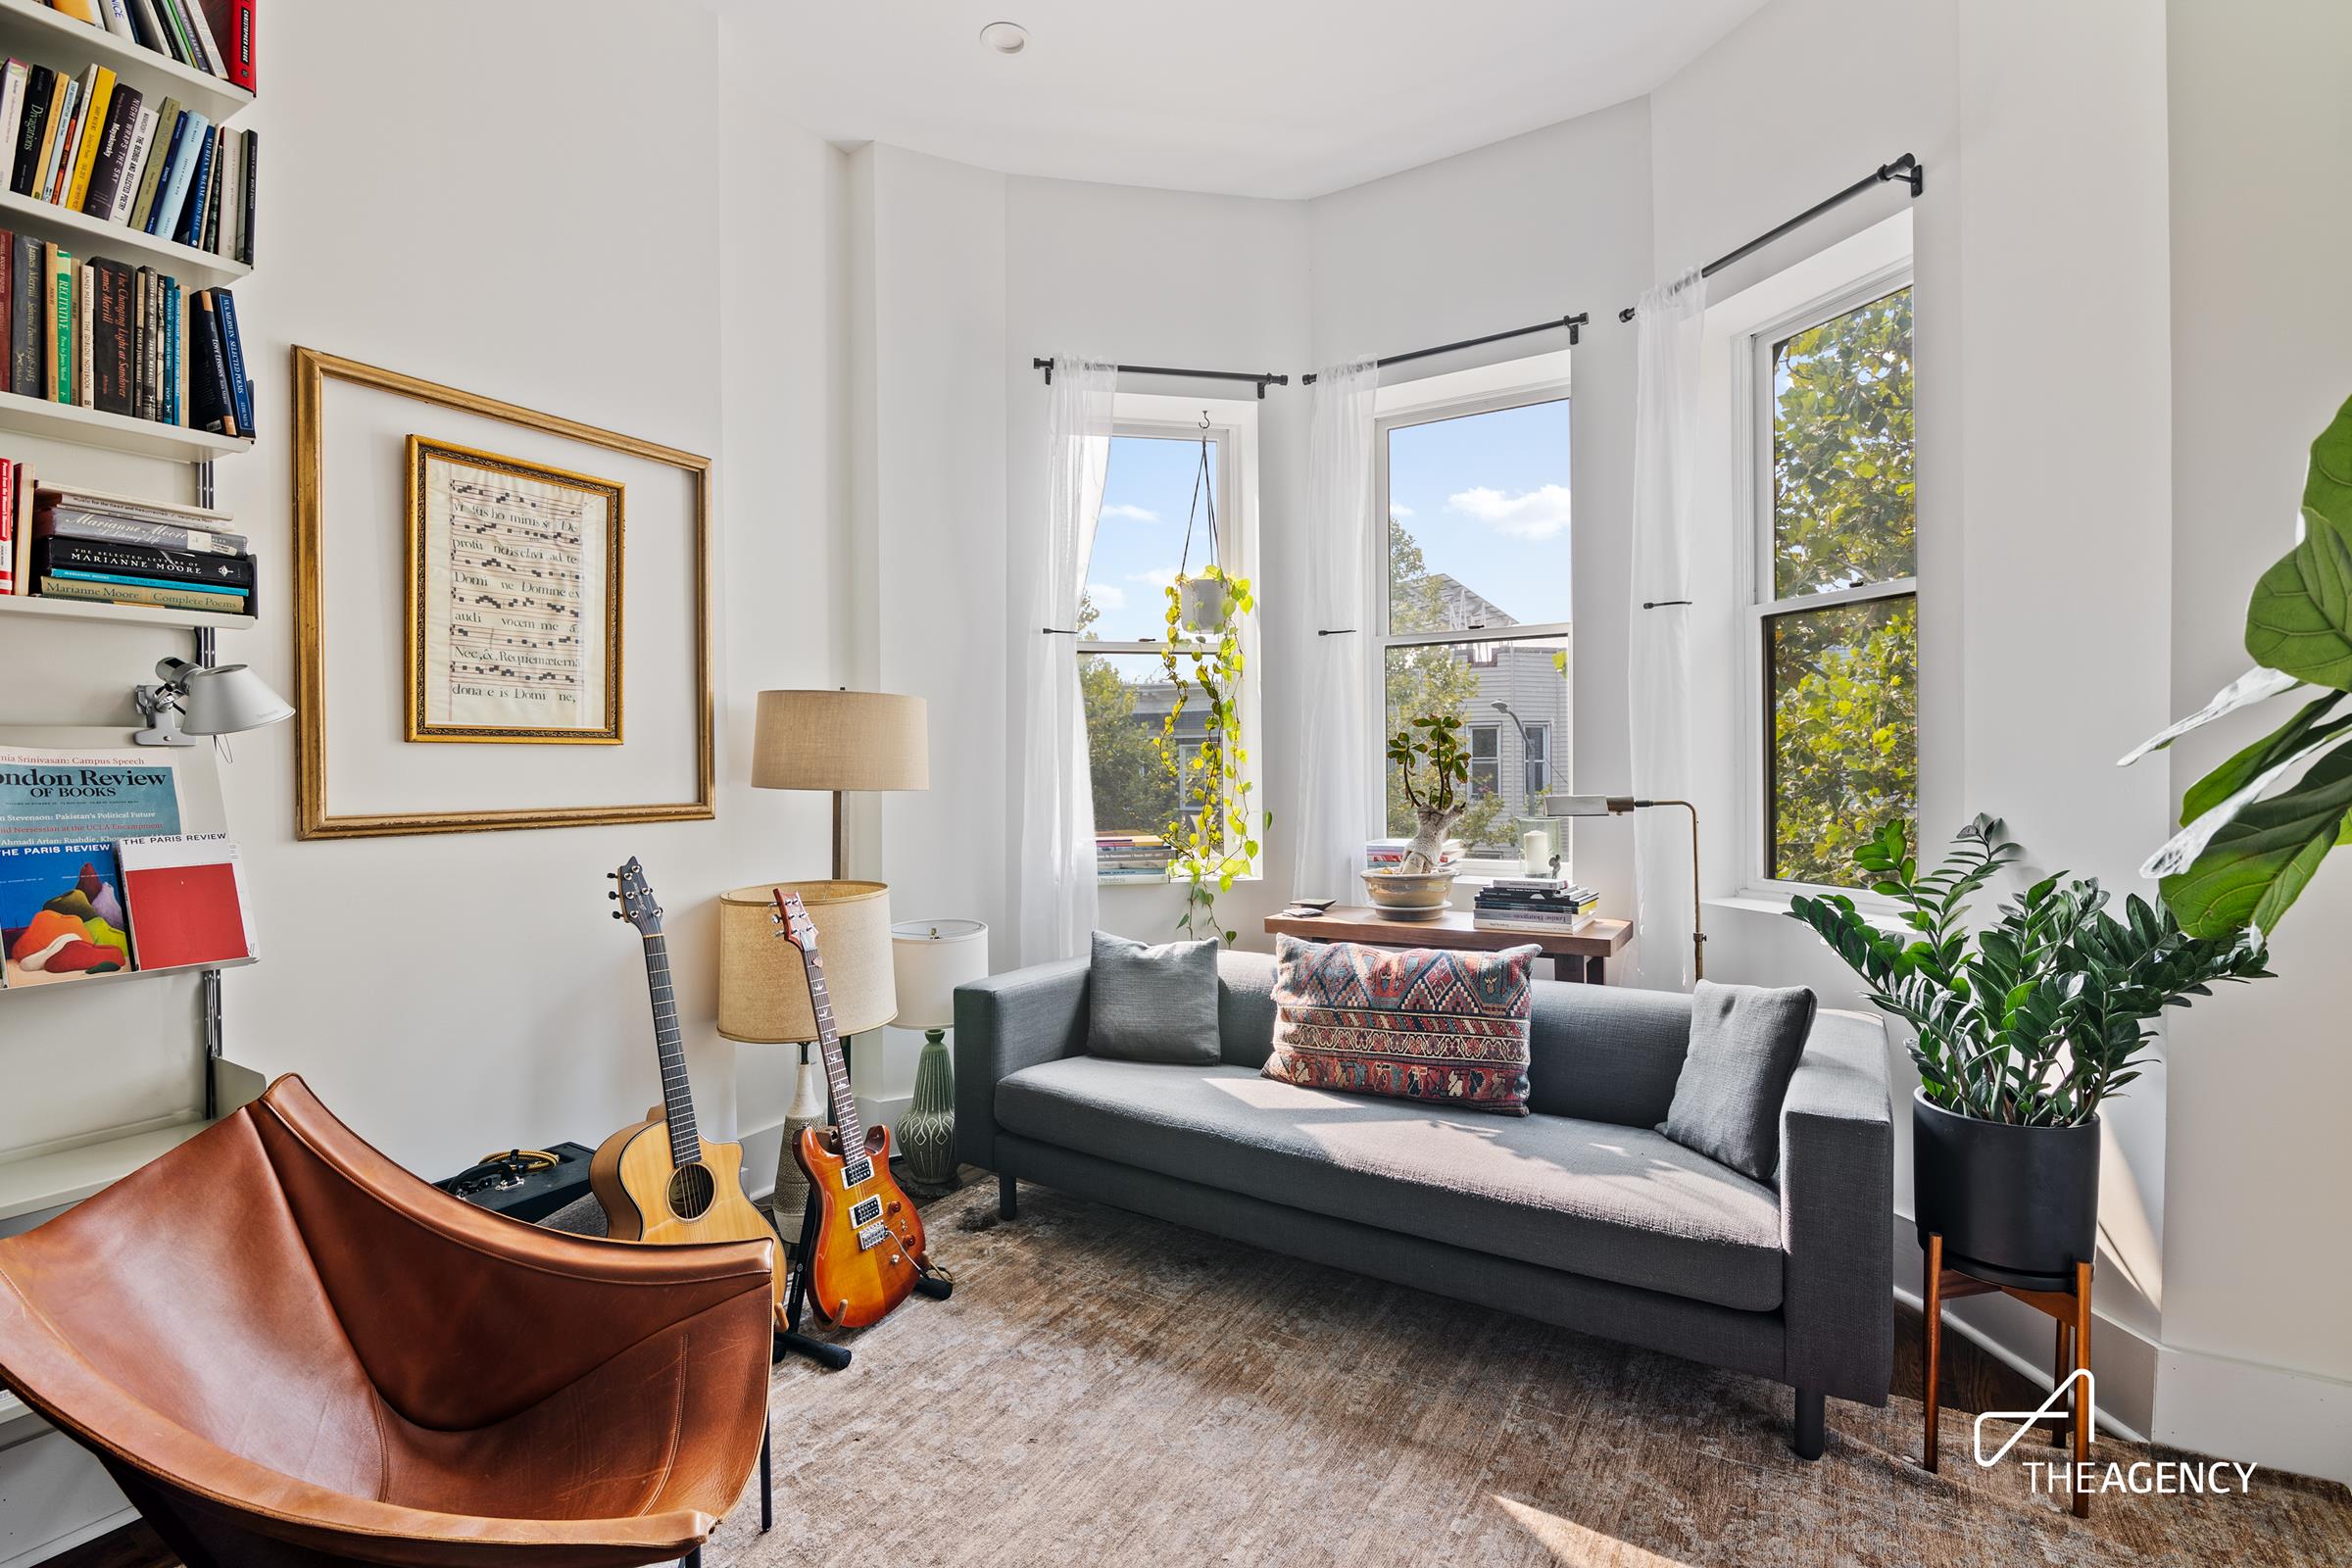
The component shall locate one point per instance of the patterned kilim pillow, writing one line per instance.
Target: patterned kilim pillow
(1414, 1023)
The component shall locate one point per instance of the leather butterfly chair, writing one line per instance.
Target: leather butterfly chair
(289, 1351)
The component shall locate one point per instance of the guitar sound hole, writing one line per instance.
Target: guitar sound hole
(691, 1190)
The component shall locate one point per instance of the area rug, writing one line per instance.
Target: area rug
(1105, 1389)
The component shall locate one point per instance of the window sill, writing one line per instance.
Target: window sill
(1164, 881)
(1885, 913)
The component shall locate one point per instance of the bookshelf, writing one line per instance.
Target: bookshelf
(31, 31)
(120, 615)
(86, 237)
(116, 432)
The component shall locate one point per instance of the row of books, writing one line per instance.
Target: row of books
(96, 146)
(1533, 904)
(76, 908)
(85, 544)
(190, 31)
(106, 335)
(1132, 855)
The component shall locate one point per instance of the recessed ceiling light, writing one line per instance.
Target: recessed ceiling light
(1006, 37)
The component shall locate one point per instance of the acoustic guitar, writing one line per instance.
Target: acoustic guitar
(866, 1251)
(658, 1180)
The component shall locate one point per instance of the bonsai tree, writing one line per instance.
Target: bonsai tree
(1211, 826)
(1433, 766)
(2037, 1018)
(2244, 852)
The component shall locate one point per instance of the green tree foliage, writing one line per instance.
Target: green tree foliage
(1845, 680)
(1431, 679)
(1134, 783)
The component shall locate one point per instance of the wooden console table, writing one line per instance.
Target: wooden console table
(1580, 955)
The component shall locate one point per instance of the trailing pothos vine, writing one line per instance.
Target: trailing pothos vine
(1212, 827)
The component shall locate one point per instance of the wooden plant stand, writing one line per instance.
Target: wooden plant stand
(2072, 1311)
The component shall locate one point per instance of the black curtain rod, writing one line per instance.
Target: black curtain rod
(1574, 324)
(1263, 381)
(1906, 168)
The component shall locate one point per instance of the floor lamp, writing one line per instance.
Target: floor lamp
(1621, 804)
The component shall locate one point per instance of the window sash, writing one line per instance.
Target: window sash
(1757, 544)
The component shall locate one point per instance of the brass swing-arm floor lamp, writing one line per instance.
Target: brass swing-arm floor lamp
(1621, 806)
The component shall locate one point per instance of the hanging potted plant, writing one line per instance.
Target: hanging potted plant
(1433, 765)
(1204, 663)
(2019, 1032)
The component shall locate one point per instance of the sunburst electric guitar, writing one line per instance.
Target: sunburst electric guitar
(866, 1251)
(658, 1180)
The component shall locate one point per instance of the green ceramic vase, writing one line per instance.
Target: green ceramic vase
(927, 1131)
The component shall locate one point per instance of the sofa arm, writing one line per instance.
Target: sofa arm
(1837, 1211)
(1003, 1024)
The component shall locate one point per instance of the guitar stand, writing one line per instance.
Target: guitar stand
(790, 1340)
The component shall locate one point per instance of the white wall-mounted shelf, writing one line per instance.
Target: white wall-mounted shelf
(31, 31)
(86, 237)
(116, 432)
(118, 974)
(65, 1176)
(121, 614)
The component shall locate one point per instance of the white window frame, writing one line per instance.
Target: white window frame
(1488, 389)
(1232, 425)
(1493, 758)
(1751, 426)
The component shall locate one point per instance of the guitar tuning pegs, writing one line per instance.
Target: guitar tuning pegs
(618, 916)
(612, 877)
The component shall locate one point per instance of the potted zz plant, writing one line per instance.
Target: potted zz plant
(1433, 765)
(2020, 1033)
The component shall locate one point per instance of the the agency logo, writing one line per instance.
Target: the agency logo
(2160, 1477)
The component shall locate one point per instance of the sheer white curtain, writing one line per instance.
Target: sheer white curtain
(1665, 456)
(1336, 756)
(1057, 894)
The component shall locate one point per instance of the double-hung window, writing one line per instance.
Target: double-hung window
(1472, 577)
(1155, 489)
(1834, 616)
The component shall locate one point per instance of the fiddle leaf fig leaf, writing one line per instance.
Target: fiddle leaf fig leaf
(2256, 866)
(2299, 620)
(2328, 486)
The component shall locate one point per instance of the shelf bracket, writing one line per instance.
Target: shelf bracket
(207, 653)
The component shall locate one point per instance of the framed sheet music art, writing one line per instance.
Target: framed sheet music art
(472, 570)
(515, 587)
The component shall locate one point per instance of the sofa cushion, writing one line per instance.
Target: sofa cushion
(1745, 1045)
(1611, 1202)
(1426, 1024)
(1152, 1004)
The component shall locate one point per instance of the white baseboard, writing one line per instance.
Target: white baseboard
(761, 1143)
(2286, 1420)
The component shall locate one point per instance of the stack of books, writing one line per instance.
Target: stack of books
(82, 544)
(124, 340)
(95, 146)
(1553, 905)
(190, 31)
(1131, 855)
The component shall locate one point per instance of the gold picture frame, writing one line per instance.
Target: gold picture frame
(314, 814)
(436, 647)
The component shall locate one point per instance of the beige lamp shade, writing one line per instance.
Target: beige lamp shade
(932, 959)
(841, 741)
(763, 988)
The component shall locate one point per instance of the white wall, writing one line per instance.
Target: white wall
(2256, 1274)
(450, 995)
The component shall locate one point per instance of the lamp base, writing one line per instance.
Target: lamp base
(926, 1133)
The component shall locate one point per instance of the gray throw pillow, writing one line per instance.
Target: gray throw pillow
(1745, 1045)
(1147, 1004)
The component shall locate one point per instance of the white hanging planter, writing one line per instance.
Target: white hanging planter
(1204, 603)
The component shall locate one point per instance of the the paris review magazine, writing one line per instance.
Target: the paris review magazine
(61, 912)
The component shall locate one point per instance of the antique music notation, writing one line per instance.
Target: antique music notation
(516, 578)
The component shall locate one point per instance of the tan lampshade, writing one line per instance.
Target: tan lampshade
(762, 990)
(841, 741)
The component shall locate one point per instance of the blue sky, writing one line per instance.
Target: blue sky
(1487, 496)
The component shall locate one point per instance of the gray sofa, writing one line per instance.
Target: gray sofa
(1578, 1214)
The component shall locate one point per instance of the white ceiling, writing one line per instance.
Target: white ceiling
(1284, 98)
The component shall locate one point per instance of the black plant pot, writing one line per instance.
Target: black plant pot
(2016, 1205)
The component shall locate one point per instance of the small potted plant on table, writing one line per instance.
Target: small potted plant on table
(2019, 1033)
(1433, 765)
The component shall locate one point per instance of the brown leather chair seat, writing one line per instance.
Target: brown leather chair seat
(288, 1351)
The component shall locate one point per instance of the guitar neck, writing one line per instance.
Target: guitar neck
(837, 1072)
(677, 1097)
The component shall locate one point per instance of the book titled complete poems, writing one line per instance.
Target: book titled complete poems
(186, 898)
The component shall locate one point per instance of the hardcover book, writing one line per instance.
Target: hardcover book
(217, 572)
(171, 200)
(190, 230)
(211, 406)
(170, 126)
(10, 523)
(134, 166)
(67, 522)
(186, 900)
(112, 388)
(232, 29)
(154, 594)
(13, 85)
(41, 96)
(111, 154)
(61, 912)
(25, 279)
(57, 136)
(56, 311)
